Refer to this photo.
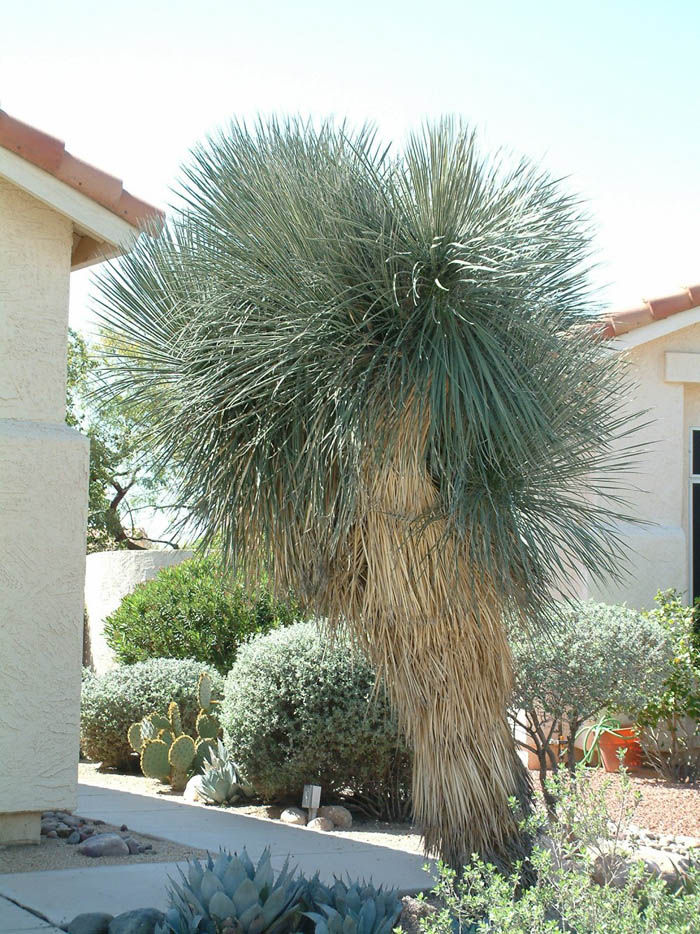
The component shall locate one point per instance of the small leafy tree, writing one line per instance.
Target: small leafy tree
(670, 720)
(117, 466)
(597, 657)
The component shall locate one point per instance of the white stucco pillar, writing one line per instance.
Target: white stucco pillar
(43, 511)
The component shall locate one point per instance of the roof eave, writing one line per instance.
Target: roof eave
(110, 235)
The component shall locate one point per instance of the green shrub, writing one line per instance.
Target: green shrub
(579, 878)
(670, 719)
(111, 702)
(299, 708)
(598, 657)
(194, 610)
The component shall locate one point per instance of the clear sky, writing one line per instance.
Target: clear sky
(606, 92)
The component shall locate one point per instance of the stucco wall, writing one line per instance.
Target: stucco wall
(43, 510)
(42, 547)
(35, 250)
(658, 489)
(109, 576)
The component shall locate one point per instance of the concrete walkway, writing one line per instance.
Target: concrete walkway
(62, 894)
(15, 920)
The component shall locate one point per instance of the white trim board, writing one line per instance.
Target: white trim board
(87, 215)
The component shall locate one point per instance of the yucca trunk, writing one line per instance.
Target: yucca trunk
(432, 627)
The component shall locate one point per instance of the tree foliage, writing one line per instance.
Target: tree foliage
(119, 476)
(195, 610)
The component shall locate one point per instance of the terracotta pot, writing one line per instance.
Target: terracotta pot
(623, 738)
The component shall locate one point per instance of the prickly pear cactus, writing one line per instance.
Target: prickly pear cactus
(154, 759)
(207, 725)
(181, 753)
(148, 730)
(204, 691)
(166, 736)
(174, 719)
(181, 757)
(134, 737)
(203, 751)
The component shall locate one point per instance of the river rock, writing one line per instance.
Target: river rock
(139, 921)
(74, 838)
(320, 823)
(293, 816)
(104, 844)
(91, 922)
(340, 816)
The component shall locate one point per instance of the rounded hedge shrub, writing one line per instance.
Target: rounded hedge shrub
(194, 610)
(112, 701)
(299, 708)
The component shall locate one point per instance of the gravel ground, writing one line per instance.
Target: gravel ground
(395, 836)
(664, 807)
(57, 854)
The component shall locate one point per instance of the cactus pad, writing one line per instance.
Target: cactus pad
(204, 690)
(207, 725)
(154, 759)
(166, 736)
(174, 719)
(181, 753)
(134, 737)
(148, 730)
(203, 749)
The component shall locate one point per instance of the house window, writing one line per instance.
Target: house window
(695, 513)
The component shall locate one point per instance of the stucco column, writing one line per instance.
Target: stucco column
(43, 511)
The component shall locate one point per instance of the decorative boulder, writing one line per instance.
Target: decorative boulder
(320, 823)
(91, 922)
(193, 790)
(140, 921)
(340, 816)
(104, 844)
(293, 816)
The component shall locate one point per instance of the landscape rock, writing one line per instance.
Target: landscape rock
(193, 790)
(48, 825)
(104, 844)
(320, 823)
(340, 816)
(91, 922)
(63, 830)
(52, 835)
(134, 846)
(74, 838)
(293, 816)
(139, 921)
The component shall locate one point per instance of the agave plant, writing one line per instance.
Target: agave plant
(222, 784)
(231, 892)
(216, 758)
(372, 372)
(358, 908)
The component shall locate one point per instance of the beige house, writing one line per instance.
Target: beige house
(57, 214)
(661, 340)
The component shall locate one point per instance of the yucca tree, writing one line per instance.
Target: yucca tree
(366, 371)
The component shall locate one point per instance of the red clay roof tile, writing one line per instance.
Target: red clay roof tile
(615, 323)
(49, 154)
